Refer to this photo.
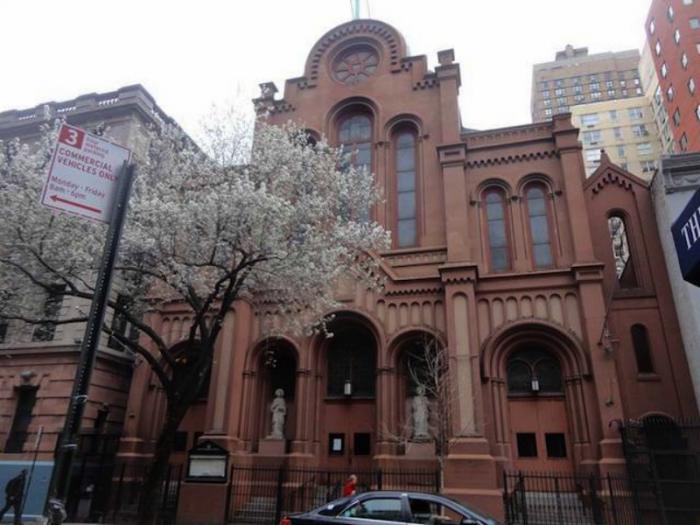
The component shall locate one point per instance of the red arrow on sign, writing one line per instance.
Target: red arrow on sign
(77, 204)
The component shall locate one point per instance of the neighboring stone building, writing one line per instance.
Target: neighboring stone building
(38, 362)
(502, 254)
(673, 187)
(673, 34)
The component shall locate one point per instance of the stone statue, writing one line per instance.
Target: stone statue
(419, 411)
(279, 413)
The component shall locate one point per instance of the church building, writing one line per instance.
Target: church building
(547, 291)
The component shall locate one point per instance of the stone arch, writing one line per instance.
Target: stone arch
(493, 182)
(403, 120)
(567, 346)
(349, 105)
(406, 334)
(533, 178)
(375, 32)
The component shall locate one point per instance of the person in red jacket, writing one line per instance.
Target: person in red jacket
(350, 487)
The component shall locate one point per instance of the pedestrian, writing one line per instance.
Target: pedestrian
(350, 487)
(14, 490)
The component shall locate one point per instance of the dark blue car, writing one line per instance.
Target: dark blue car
(390, 508)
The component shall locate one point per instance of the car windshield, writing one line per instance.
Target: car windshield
(334, 507)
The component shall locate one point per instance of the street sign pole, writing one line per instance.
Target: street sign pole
(68, 441)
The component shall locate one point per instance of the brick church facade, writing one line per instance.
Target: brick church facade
(502, 255)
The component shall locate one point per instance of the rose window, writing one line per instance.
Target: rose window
(355, 65)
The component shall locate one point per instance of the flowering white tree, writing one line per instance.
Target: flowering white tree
(206, 226)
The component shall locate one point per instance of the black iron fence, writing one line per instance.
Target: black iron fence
(261, 496)
(663, 465)
(566, 499)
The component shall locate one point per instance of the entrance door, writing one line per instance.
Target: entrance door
(350, 436)
(539, 434)
(537, 406)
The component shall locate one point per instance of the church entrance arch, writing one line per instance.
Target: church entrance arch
(536, 374)
(348, 417)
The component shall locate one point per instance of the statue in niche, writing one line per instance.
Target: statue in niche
(279, 413)
(419, 413)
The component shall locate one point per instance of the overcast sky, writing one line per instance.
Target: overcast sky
(192, 54)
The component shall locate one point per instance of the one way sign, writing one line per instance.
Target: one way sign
(83, 174)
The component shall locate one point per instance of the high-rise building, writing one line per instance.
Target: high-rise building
(673, 33)
(575, 77)
(604, 94)
(652, 90)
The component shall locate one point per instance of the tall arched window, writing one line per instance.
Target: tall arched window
(355, 137)
(539, 226)
(533, 371)
(624, 267)
(499, 252)
(406, 188)
(642, 349)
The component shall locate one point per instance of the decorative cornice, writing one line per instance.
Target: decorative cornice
(458, 273)
(429, 81)
(413, 289)
(510, 159)
(611, 177)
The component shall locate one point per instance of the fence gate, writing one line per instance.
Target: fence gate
(559, 499)
(261, 496)
(663, 464)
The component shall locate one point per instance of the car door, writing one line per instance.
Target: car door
(379, 510)
(434, 511)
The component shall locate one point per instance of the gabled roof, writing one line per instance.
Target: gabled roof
(610, 173)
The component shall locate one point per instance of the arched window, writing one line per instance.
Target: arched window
(499, 252)
(406, 188)
(539, 226)
(351, 359)
(624, 267)
(355, 137)
(533, 371)
(642, 349)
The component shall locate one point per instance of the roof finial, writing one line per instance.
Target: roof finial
(355, 9)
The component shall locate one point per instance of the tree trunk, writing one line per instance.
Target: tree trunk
(149, 498)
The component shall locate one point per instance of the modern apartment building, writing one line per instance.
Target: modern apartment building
(673, 34)
(625, 129)
(575, 77)
(652, 91)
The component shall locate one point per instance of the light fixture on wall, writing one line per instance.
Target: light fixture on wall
(347, 388)
(535, 385)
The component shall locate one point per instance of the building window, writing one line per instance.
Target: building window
(533, 371)
(688, 2)
(579, 98)
(351, 358)
(3, 331)
(51, 311)
(691, 86)
(355, 138)
(657, 48)
(589, 120)
(546, 102)
(652, 27)
(595, 86)
(623, 83)
(592, 137)
(644, 148)
(697, 111)
(664, 70)
(642, 349)
(559, 92)
(576, 81)
(677, 117)
(670, 13)
(648, 166)
(543, 84)
(611, 92)
(559, 82)
(539, 226)
(561, 102)
(635, 113)
(120, 326)
(556, 445)
(683, 142)
(496, 220)
(669, 93)
(677, 36)
(578, 90)
(621, 151)
(527, 445)
(694, 23)
(547, 112)
(639, 130)
(592, 155)
(26, 398)
(618, 133)
(545, 93)
(684, 61)
(624, 268)
(406, 188)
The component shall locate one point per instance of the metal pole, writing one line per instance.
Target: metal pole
(31, 470)
(71, 430)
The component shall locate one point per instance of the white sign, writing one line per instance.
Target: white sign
(83, 174)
